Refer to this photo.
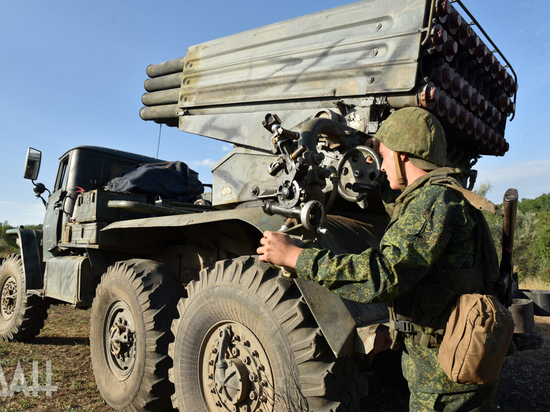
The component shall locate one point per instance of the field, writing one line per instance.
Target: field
(64, 342)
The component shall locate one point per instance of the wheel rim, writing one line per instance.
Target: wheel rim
(235, 371)
(120, 340)
(9, 298)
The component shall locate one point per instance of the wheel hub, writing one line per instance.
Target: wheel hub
(236, 374)
(232, 382)
(9, 298)
(120, 340)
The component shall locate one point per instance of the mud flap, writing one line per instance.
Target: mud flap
(349, 327)
(30, 245)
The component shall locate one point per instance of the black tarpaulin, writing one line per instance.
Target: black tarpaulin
(168, 180)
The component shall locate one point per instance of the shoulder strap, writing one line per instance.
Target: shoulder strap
(477, 201)
(443, 176)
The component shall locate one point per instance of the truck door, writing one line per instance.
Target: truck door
(53, 221)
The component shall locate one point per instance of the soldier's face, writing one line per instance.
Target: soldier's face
(388, 166)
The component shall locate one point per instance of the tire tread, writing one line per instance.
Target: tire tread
(155, 289)
(329, 384)
(33, 310)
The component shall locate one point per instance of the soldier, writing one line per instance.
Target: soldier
(426, 258)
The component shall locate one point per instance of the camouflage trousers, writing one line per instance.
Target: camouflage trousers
(483, 399)
(432, 390)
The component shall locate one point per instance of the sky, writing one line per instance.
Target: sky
(73, 71)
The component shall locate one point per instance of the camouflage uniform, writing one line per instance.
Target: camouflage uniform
(432, 229)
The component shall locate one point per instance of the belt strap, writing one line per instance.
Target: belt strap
(408, 329)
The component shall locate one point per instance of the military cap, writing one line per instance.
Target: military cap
(418, 133)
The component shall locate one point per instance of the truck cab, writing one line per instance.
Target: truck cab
(81, 169)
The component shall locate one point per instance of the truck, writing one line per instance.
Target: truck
(183, 314)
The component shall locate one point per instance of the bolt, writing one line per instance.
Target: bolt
(264, 384)
(378, 26)
(374, 52)
(286, 192)
(253, 377)
(210, 376)
(246, 360)
(214, 350)
(357, 173)
(235, 352)
(261, 368)
(246, 343)
(370, 80)
(218, 404)
(253, 396)
(211, 362)
(255, 353)
(263, 398)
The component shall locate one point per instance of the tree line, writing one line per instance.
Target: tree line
(8, 243)
(532, 237)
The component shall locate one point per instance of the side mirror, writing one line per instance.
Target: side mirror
(32, 163)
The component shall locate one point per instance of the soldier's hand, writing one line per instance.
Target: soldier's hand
(278, 248)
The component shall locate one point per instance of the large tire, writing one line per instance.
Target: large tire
(22, 315)
(275, 356)
(132, 312)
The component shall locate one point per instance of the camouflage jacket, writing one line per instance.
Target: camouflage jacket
(432, 227)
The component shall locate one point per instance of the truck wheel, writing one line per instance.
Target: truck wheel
(22, 315)
(132, 312)
(246, 341)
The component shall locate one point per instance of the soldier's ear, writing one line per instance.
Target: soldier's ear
(404, 157)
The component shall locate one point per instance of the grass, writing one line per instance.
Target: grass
(533, 284)
(64, 342)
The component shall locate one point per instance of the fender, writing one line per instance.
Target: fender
(345, 235)
(251, 222)
(254, 217)
(30, 243)
(244, 225)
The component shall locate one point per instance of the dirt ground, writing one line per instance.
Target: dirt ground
(525, 382)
